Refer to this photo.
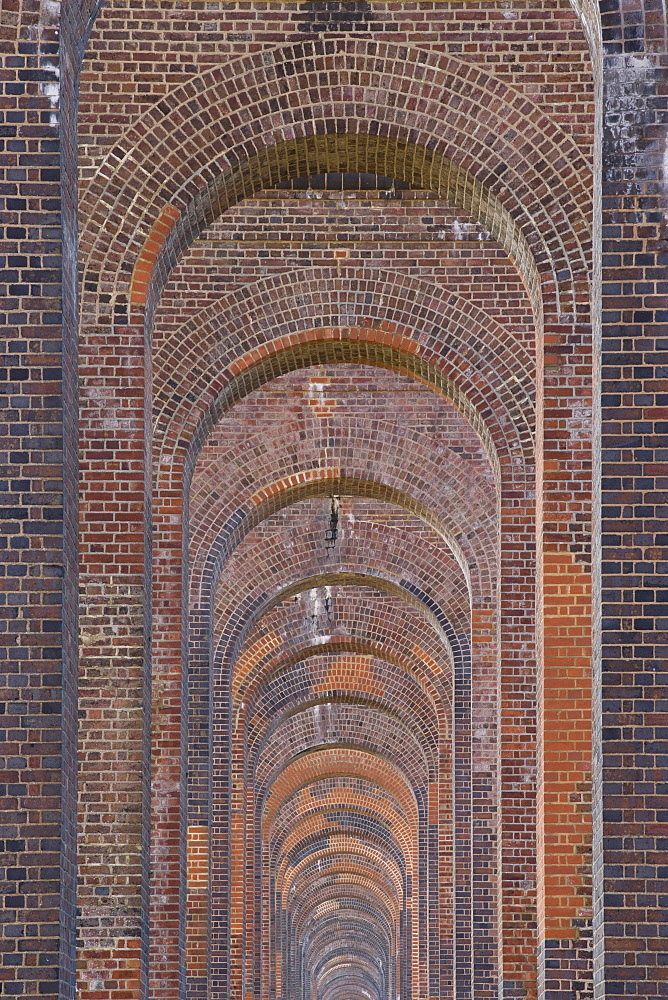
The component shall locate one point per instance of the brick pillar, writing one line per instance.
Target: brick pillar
(630, 858)
(170, 844)
(36, 792)
(112, 686)
(564, 749)
(516, 752)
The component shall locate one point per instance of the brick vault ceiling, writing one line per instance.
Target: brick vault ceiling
(334, 264)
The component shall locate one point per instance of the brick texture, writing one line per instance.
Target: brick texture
(333, 546)
(630, 843)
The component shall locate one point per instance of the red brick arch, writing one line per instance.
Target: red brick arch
(375, 684)
(348, 880)
(228, 643)
(433, 119)
(273, 778)
(347, 872)
(308, 803)
(334, 762)
(375, 876)
(513, 383)
(282, 637)
(454, 125)
(216, 539)
(367, 946)
(286, 829)
(258, 670)
(338, 900)
(342, 848)
(382, 734)
(310, 828)
(390, 320)
(262, 555)
(209, 129)
(401, 640)
(349, 853)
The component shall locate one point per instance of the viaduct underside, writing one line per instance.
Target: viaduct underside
(335, 452)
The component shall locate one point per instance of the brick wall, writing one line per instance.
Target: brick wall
(34, 792)
(629, 847)
(317, 407)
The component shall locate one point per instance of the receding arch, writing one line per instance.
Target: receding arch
(282, 495)
(334, 151)
(261, 670)
(408, 753)
(249, 616)
(531, 193)
(386, 320)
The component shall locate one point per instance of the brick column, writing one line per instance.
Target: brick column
(630, 856)
(564, 751)
(36, 790)
(113, 686)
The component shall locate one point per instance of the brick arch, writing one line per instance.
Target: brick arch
(305, 902)
(345, 848)
(288, 828)
(355, 882)
(317, 902)
(342, 902)
(374, 877)
(367, 943)
(353, 988)
(461, 657)
(313, 841)
(337, 906)
(375, 683)
(316, 822)
(351, 315)
(346, 726)
(285, 826)
(326, 960)
(214, 137)
(390, 891)
(427, 663)
(245, 618)
(322, 946)
(297, 773)
(254, 565)
(239, 628)
(348, 990)
(332, 762)
(251, 585)
(353, 854)
(219, 537)
(262, 783)
(409, 646)
(323, 659)
(262, 735)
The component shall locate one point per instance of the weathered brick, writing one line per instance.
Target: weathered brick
(300, 468)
